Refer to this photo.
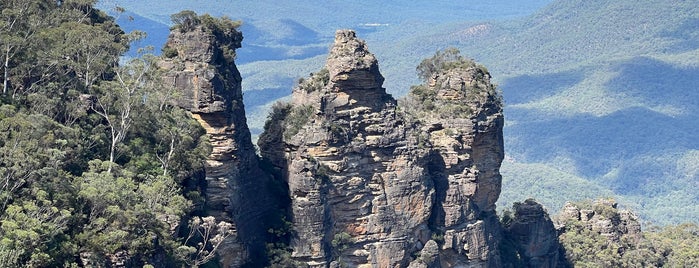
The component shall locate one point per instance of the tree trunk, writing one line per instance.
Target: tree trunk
(6, 67)
(112, 149)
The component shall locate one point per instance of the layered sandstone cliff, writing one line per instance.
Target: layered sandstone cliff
(374, 186)
(207, 83)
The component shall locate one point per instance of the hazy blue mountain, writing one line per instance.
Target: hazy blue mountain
(601, 96)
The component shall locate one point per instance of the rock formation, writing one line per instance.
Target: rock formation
(200, 69)
(604, 218)
(534, 236)
(462, 114)
(374, 186)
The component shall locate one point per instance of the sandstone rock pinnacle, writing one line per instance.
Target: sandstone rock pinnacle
(209, 86)
(351, 65)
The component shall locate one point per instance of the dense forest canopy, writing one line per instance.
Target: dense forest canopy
(93, 155)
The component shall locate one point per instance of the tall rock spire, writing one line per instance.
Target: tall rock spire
(461, 112)
(201, 70)
(351, 65)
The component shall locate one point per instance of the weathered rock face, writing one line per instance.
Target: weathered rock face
(206, 83)
(465, 128)
(535, 236)
(209, 87)
(372, 187)
(354, 169)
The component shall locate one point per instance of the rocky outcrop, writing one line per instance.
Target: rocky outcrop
(603, 217)
(201, 71)
(353, 167)
(373, 186)
(534, 236)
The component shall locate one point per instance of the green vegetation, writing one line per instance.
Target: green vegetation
(278, 251)
(295, 120)
(443, 61)
(671, 246)
(427, 100)
(169, 52)
(187, 20)
(93, 156)
(608, 87)
(316, 82)
(341, 241)
(604, 236)
(552, 187)
(223, 28)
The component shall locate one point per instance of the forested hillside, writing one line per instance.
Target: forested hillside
(605, 91)
(92, 153)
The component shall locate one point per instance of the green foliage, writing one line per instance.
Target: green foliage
(424, 95)
(92, 154)
(680, 243)
(575, 51)
(185, 20)
(223, 28)
(552, 187)
(438, 237)
(298, 117)
(219, 24)
(322, 171)
(169, 52)
(27, 227)
(316, 82)
(279, 251)
(423, 100)
(341, 241)
(442, 61)
(279, 256)
(48, 44)
(671, 246)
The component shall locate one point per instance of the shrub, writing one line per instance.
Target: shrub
(444, 60)
(185, 20)
(169, 52)
(296, 119)
(316, 82)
